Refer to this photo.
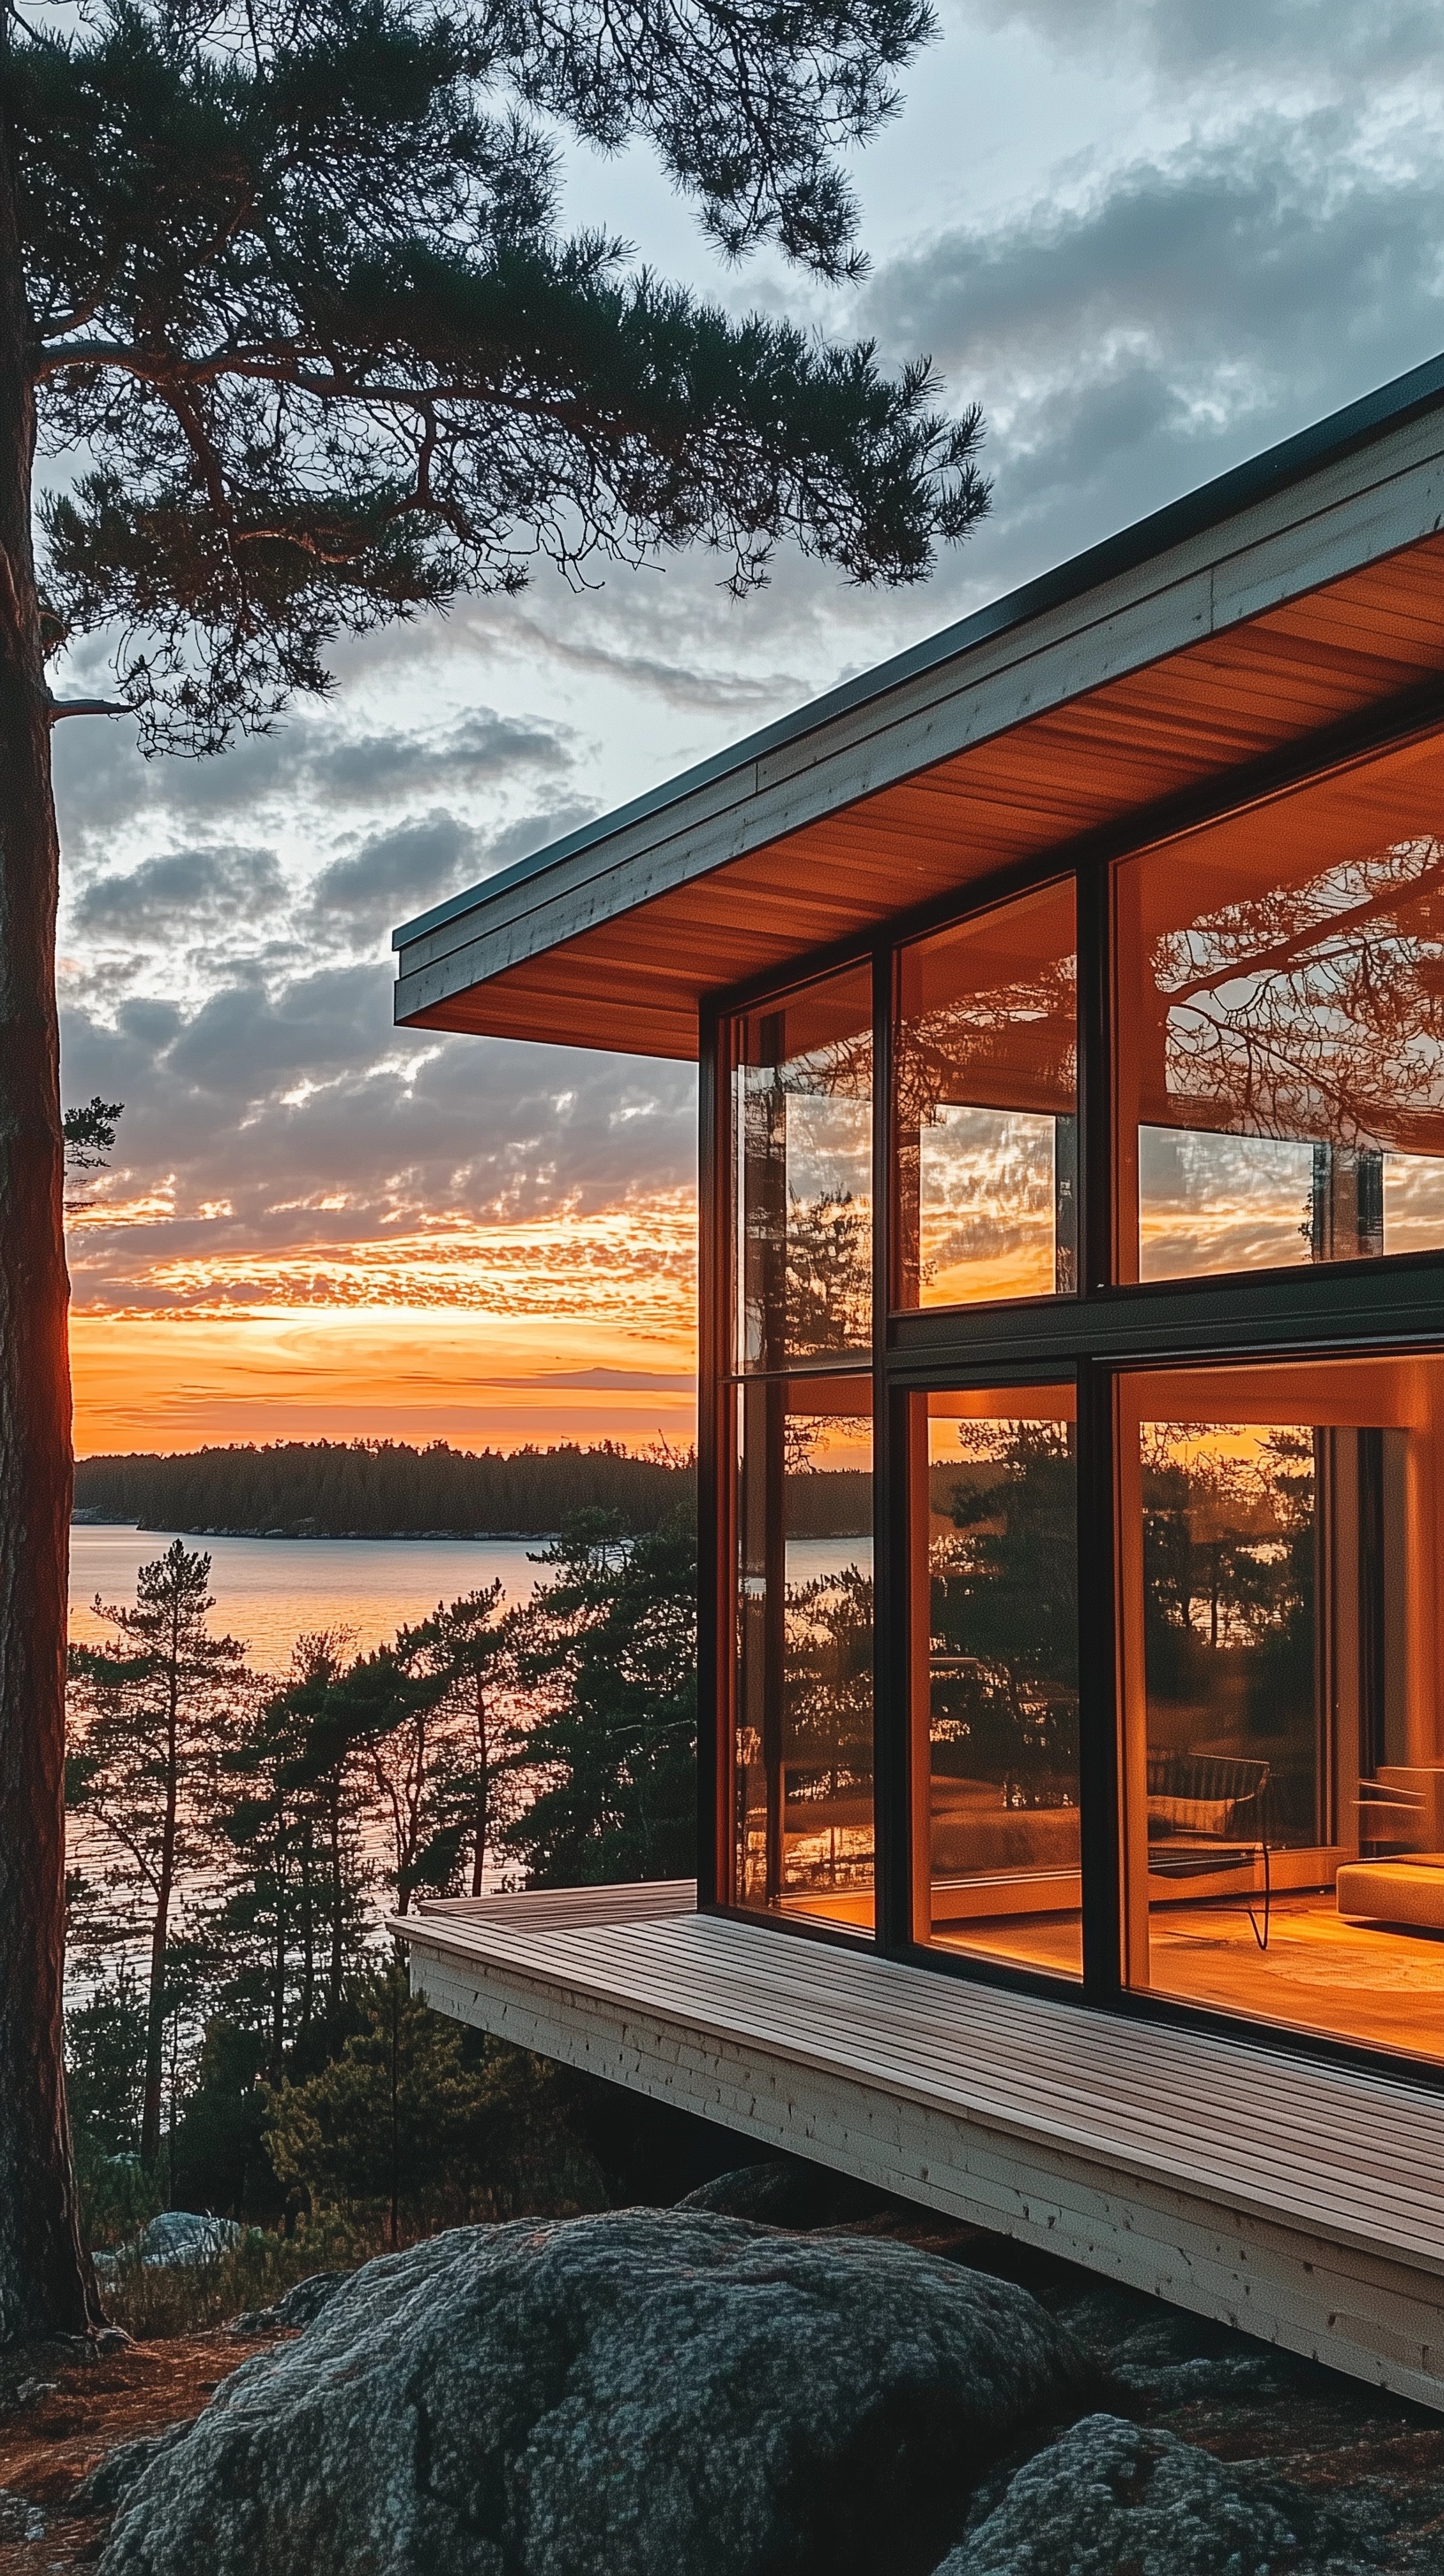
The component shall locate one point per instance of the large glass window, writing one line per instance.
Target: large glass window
(803, 1751)
(995, 1674)
(1280, 1036)
(985, 1115)
(1276, 1057)
(802, 1138)
(1282, 1529)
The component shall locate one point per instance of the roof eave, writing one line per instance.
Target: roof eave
(1293, 460)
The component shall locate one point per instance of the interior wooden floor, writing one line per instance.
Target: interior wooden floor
(1376, 1983)
(1298, 2199)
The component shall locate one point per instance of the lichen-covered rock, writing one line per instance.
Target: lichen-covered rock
(642, 2394)
(301, 2306)
(785, 2192)
(121, 2469)
(1160, 2357)
(1109, 2495)
(179, 2236)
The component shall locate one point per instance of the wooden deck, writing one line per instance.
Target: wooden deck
(1300, 2201)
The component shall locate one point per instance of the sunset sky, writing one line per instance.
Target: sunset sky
(1151, 236)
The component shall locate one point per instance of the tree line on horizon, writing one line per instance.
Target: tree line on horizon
(373, 1488)
(387, 1488)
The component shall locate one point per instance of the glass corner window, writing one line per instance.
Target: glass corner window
(802, 1188)
(985, 1153)
(1280, 1529)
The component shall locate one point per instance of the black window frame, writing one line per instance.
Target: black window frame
(1104, 1327)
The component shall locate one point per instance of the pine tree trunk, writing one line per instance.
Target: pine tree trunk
(278, 1979)
(160, 1928)
(333, 1984)
(482, 1818)
(45, 2282)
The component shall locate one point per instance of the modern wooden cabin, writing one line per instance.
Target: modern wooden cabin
(1069, 1001)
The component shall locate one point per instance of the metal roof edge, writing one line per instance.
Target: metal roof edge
(1226, 496)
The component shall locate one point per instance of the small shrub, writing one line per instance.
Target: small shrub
(424, 2125)
(118, 2194)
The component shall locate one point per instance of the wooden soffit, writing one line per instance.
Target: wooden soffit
(1279, 639)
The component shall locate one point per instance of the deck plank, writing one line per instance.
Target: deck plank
(1065, 2056)
(1302, 2200)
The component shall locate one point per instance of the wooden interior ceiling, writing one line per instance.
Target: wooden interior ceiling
(634, 983)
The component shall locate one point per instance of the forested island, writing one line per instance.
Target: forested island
(388, 1489)
(381, 1489)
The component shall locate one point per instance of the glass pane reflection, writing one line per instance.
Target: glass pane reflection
(803, 1762)
(985, 1112)
(1284, 1767)
(802, 1128)
(995, 1674)
(1281, 1030)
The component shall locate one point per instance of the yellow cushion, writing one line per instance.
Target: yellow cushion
(1395, 1891)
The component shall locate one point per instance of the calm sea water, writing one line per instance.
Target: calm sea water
(269, 1591)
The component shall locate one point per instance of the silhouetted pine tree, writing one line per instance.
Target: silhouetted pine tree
(605, 1654)
(285, 287)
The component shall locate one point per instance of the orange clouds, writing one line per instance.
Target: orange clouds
(556, 1328)
(278, 1373)
(632, 1264)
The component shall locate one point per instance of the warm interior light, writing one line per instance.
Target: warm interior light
(994, 1685)
(1283, 1751)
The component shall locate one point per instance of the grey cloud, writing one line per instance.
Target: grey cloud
(529, 833)
(102, 783)
(1215, 251)
(246, 1041)
(1319, 38)
(485, 1128)
(182, 896)
(394, 872)
(483, 747)
(1185, 312)
(673, 636)
(395, 875)
(147, 1025)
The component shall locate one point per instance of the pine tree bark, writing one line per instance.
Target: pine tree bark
(46, 2286)
(482, 1814)
(160, 1928)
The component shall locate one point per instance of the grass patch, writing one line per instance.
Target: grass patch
(157, 2300)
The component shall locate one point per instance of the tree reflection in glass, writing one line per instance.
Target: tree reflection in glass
(803, 1758)
(1229, 1582)
(1280, 1532)
(985, 1106)
(995, 1672)
(802, 1127)
(1281, 1034)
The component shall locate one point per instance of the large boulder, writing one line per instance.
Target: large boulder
(1109, 2496)
(301, 2306)
(650, 2393)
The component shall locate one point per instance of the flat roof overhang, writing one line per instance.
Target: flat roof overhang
(1274, 622)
